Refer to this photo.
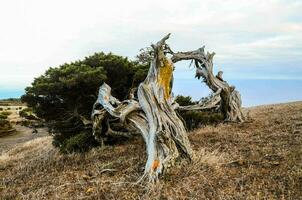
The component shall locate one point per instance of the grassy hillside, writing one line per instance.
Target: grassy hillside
(258, 159)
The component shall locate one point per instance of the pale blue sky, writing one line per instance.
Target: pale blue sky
(253, 39)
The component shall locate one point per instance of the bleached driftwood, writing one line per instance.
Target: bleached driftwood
(152, 114)
(230, 98)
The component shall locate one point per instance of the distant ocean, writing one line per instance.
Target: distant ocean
(253, 92)
(11, 92)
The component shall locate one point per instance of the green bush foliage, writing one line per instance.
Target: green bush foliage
(66, 93)
(3, 116)
(26, 123)
(194, 119)
(5, 125)
(184, 100)
(78, 143)
(7, 113)
(27, 113)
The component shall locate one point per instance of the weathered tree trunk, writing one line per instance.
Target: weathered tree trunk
(230, 98)
(153, 115)
(153, 112)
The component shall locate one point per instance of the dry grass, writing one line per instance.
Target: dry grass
(258, 159)
(14, 117)
(25, 151)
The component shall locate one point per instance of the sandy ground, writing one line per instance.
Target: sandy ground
(14, 117)
(22, 133)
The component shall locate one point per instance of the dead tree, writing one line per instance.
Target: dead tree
(152, 114)
(230, 99)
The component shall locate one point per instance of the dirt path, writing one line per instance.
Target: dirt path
(22, 134)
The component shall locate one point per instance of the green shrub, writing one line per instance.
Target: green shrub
(184, 100)
(25, 112)
(5, 125)
(65, 94)
(78, 143)
(195, 119)
(6, 113)
(3, 116)
(26, 123)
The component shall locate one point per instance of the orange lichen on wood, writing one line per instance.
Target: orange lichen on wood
(165, 76)
(155, 164)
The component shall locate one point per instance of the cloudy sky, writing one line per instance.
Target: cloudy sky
(253, 39)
